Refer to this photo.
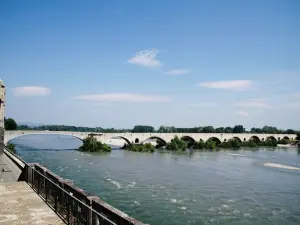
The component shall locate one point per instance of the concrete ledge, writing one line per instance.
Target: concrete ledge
(19, 162)
(112, 213)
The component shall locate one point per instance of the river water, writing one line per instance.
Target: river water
(232, 187)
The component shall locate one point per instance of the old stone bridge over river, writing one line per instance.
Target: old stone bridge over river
(225, 187)
(163, 137)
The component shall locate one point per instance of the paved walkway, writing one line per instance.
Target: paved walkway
(9, 171)
(19, 204)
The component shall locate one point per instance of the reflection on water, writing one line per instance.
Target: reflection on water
(232, 187)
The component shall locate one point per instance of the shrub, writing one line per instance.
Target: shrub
(176, 145)
(148, 147)
(12, 148)
(199, 145)
(210, 144)
(250, 144)
(90, 144)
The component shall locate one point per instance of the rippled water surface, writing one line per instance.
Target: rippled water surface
(232, 187)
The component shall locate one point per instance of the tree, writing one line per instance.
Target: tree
(228, 130)
(238, 129)
(256, 130)
(208, 129)
(176, 144)
(199, 145)
(298, 136)
(90, 144)
(10, 124)
(290, 131)
(220, 130)
(210, 144)
(142, 129)
(269, 130)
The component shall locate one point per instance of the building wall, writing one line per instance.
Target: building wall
(2, 106)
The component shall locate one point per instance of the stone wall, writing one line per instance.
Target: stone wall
(1, 140)
(2, 105)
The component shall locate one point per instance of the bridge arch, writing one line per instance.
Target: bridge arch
(125, 139)
(286, 138)
(159, 141)
(237, 139)
(255, 139)
(216, 140)
(9, 137)
(190, 141)
(271, 138)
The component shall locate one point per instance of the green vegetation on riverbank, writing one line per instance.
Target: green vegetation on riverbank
(12, 148)
(177, 144)
(90, 144)
(147, 147)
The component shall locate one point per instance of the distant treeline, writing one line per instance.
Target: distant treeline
(162, 129)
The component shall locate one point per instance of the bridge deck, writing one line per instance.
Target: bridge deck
(19, 204)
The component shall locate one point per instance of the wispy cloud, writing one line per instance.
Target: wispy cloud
(242, 113)
(236, 85)
(146, 58)
(31, 91)
(254, 103)
(122, 97)
(177, 72)
(203, 104)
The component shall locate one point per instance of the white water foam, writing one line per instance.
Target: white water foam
(235, 154)
(131, 185)
(136, 203)
(115, 183)
(173, 200)
(275, 165)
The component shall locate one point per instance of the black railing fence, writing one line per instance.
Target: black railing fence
(68, 207)
(73, 205)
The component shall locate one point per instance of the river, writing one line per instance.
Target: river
(232, 187)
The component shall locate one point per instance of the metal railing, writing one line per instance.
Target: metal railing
(72, 205)
(71, 210)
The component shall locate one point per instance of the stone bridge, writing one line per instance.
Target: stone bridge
(163, 137)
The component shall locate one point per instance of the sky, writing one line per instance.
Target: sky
(116, 63)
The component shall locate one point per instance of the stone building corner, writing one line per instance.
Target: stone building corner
(2, 107)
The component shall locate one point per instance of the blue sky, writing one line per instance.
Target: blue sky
(182, 63)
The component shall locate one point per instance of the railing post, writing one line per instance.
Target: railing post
(32, 171)
(38, 189)
(46, 190)
(68, 209)
(55, 199)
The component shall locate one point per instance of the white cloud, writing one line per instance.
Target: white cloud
(31, 91)
(242, 113)
(236, 85)
(203, 104)
(122, 97)
(146, 58)
(177, 72)
(255, 103)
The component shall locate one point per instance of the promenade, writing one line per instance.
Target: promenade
(19, 203)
